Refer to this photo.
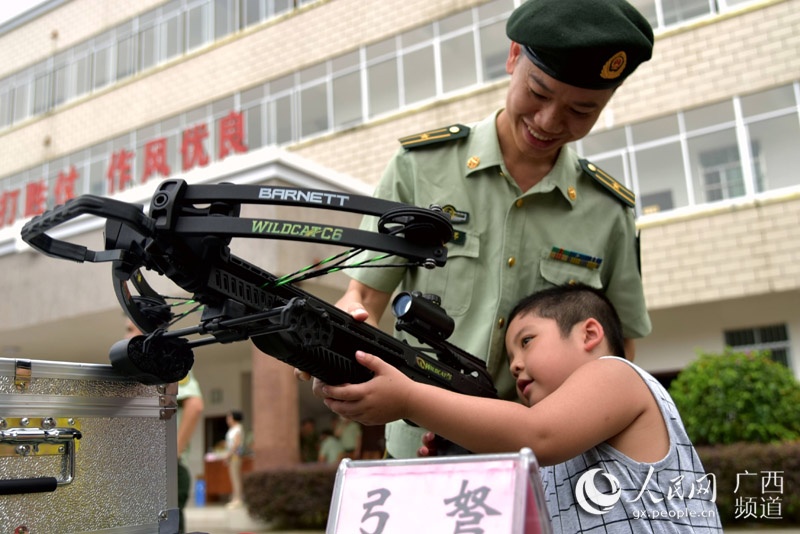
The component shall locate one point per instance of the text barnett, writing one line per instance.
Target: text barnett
(299, 195)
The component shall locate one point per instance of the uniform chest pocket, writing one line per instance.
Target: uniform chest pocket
(559, 273)
(455, 282)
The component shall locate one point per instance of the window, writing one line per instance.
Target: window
(104, 48)
(6, 101)
(680, 10)
(418, 64)
(347, 92)
(661, 14)
(279, 6)
(722, 174)
(21, 101)
(81, 68)
(224, 18)
(171, 33)
(772, 125)
(774, 338)
(383, 92)
(126, 56)
(458, 65)
(251, 12)
(61, 82)
(494, 50)
(197, 26)
(41, 93)
(253, 107)
(659, 173)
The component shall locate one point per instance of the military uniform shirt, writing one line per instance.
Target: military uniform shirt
(508, 244)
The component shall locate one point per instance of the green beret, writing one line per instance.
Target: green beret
(593, 44)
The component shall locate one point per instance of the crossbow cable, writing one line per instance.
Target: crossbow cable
(185, 238)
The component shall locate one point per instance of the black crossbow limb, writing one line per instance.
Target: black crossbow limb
(185, 238)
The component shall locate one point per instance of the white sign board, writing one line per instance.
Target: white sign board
(474, 494)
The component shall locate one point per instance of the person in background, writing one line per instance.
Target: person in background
(349, 434)
(234, 450)
(309, 440)
(190, 411)
(527, 211)
(330, 448)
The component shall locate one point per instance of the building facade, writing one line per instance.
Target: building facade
(110, 97)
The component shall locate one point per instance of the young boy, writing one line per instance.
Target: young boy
(593, 420)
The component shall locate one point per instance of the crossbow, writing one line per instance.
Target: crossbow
(185, 237)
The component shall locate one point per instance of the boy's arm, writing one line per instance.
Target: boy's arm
(598, 402)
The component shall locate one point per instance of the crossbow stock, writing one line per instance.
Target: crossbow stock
(186, 236)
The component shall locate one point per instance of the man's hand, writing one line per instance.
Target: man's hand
(429, 445)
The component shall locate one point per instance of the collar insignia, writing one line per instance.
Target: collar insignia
(456, 216)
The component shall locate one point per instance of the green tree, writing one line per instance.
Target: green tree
(738, 397)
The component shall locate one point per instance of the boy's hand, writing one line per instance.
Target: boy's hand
(382, 399)
(359, 313)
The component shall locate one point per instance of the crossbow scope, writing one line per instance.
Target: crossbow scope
(185, 237)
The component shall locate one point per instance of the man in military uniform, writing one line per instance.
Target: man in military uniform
(527, 212)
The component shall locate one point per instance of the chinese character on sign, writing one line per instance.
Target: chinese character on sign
(381, 516)
(119, 171)
(739, 480)
(231, 134)
(9, 204)
(35, 198)
(705, 485)
(155, 159)
(745, 508)
(65, 185)
(644, 487)
(193, 151)
(675, 488)
(772, 482)
(771, 508)
(470, 507)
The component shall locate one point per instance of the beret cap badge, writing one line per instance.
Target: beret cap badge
(615, 66)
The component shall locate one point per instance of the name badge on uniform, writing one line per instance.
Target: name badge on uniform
(575, 258)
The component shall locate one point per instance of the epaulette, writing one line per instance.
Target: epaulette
(617, 189)
(448, 133)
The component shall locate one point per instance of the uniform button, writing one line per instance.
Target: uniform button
(519, 203)
(501, 322)
(511, 261)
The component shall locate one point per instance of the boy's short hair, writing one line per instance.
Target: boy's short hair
(237, 416)
(568, 305)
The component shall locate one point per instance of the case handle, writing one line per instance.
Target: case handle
(28, 485)
(26, 441)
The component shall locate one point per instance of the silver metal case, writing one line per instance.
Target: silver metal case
(83, 449)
